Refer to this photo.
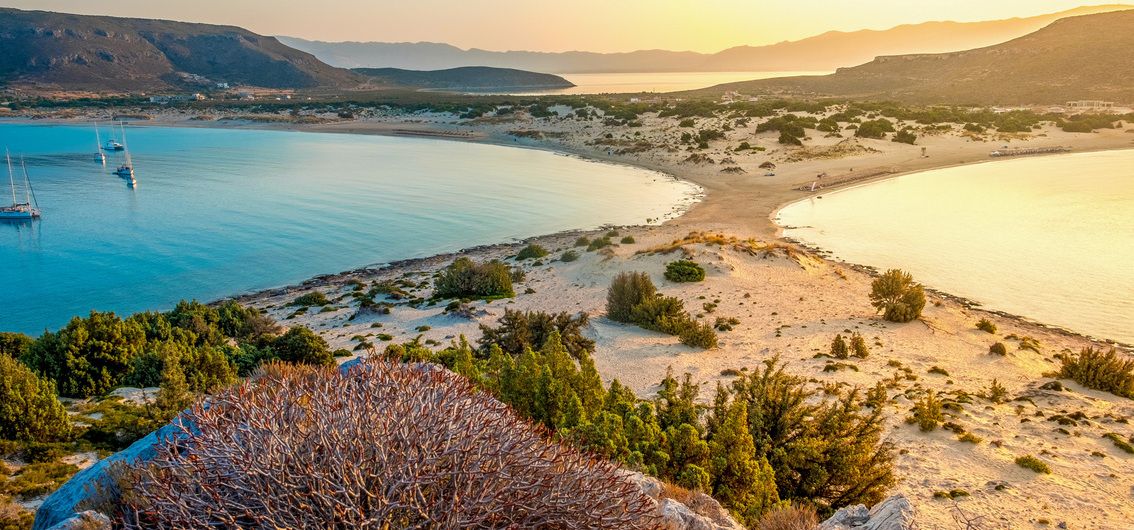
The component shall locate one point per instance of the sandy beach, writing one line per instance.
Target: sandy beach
(790, 302)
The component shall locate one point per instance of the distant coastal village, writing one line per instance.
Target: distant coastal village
(593, 310)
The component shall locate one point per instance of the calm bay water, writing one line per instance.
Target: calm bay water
(632, 83)
(219, 212)
(1049, 238)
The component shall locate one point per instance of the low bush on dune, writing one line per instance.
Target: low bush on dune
(314, 298)
(1107, 371)
(569, 256)
(986, 325)
(927, 413)
(465, 278)
(897, 296)
(301, 447)
(684, 271)
(1034, 464)
(532, 251)
(518, 331)
(633, 298)
(998, 348)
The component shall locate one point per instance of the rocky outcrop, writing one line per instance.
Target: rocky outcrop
(88, 520)
(698, 512)
(894, 513)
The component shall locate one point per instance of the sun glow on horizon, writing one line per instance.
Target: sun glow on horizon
(581, 25)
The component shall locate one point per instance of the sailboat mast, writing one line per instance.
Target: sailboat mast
(125, 147)
(28, 194)
(11, 178)
(98, 140)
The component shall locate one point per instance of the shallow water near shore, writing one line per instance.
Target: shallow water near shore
(1049, 238)
(219, 212)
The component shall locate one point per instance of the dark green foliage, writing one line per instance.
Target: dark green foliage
(569, 256)
(314, 298)
(465, 278)
(684, 271)
(582, 241)
(1118, 442)
(986, 325)
(743, 482)
(1107, 371)
(14, 344)
(302, 346)
(874, 128)
(29, 409)
(518, 331)
(627, 240)
(120, 424)
(88, 357)
(897, 296)
(532, 251)
(627, 290)
(876, 397)
(1086, 123)
(905, 136)
(698, 334)
(846, 460)
(1034, 464)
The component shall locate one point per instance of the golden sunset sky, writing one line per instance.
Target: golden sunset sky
(591, 25)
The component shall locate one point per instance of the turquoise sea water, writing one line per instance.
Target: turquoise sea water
(218, 212)
(1050, 238)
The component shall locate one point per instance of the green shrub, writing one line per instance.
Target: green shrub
(88, 357)
(29, 409)
(684, 271)
(660, 313)
(698, 335)
(314, 298)
(1034, 464)
(839, 349)
(628, 240)
(38, 479)
(300, 345)
(971, 438)
(518, 331)
(582, 241)
(599, 242)
(1106, 371)
(14, 344)
(905, 136)
(569, 256)
(627, 290)
(986, 325)
(858, 346)
(927, 412)
(996, 392)
(897, 296)
(465, 278)
(998, 348)
(531, 252)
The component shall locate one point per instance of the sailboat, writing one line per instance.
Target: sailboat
(99, 156)
(126, 170)
(19, 211)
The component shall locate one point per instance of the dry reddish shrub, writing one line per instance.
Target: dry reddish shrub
(790, 518)
(383, 446)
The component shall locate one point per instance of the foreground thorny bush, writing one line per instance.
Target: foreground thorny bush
(384, 446)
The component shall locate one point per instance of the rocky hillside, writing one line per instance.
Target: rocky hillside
(472, 78)
(1084, 57)
(107, 54)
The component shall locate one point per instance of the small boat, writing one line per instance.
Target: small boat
(19, 211)
(113, 145)
(99, 156)
(126, 170)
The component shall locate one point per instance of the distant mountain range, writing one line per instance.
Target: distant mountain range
(824, 52)
(1082, 57)
(79, 52)
(467, 78)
